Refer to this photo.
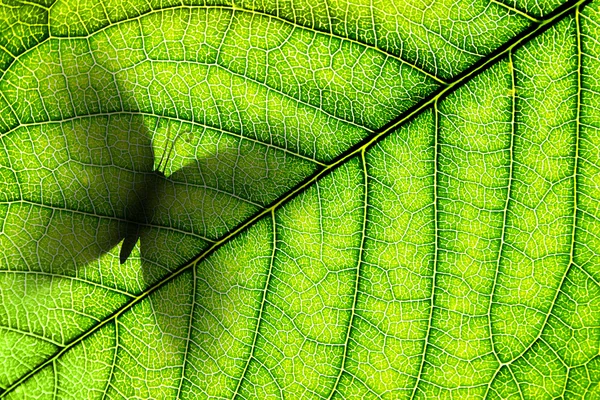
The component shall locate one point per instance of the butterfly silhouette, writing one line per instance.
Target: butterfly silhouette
(90, 208)
(98, 211)
(107, 192)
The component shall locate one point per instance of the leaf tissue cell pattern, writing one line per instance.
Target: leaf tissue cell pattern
(442, 37)
(369, 213)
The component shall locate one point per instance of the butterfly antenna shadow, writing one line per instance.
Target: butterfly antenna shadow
(167, 152)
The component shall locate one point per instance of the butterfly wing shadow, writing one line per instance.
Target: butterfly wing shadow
(109, 175)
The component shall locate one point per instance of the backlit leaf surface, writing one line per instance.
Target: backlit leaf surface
(362, 199)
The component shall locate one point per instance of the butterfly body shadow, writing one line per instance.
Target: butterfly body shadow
(141, 213)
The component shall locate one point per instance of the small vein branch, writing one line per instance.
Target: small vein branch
(261, 310)
(358, 274)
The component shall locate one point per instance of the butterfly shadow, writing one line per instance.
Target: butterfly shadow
(123, 224)
(113, 216)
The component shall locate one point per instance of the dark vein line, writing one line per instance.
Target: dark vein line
(358, 275)
(578, 131)
(586, 273)
(42, 40)
(189, 334)
(514, 378)
(100, 217)
(556, 355)
(270, 373)
(513, 123)
(114, 361)
(43, 37)
(575, 190)
(31, 334)
(370, 391)
(12, 169)
(568, 380)
(564, 364)
(435, 202)
(263, 301)
(71, 278)
(55, 373)
(509, 190)
(166, 117)
(106, 15)
(307, 338)
(7, 51)
(10, 106)
(477, 68)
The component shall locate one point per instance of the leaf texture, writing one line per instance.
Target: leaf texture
(362, 199)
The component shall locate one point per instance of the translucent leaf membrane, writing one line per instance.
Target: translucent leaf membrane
(451, 259)
(442, 38)
(455, 258)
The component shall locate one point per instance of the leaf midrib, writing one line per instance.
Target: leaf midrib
(483, 64)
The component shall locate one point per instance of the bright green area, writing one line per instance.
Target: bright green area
(430, 35)
(457, 257)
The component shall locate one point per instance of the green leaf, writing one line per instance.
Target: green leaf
(361, 200)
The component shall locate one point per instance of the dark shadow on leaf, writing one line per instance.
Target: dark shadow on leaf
(106, 194)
